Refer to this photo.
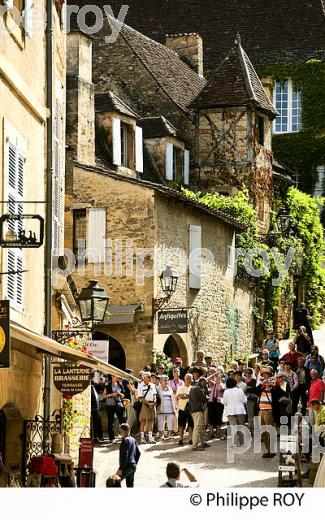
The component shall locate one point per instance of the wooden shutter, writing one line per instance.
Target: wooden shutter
(194, 278)
(15, 194)
(58, 180)
(186, 168)
(138, 149)
(117, 152)
(169, 161)
(96, 235)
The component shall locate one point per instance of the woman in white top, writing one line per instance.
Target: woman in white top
(234, 401)
(166, 408)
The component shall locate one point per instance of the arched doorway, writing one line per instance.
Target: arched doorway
(116, 354)
(175, 347)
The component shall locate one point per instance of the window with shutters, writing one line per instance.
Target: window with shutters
(14, 193)
(287, 101)
(195, 259)
(89, 235)
(177, 164)
(58, 179)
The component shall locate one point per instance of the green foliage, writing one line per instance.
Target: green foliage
(303, 151)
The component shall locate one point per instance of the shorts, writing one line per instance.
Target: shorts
(147, 413)
(163, 418)
(185, 417)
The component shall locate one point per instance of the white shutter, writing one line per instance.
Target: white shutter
(169, 161)
(116, 130)
(28, 17)
(194, 278)
(96, 235)
(58, 180)
(14, 190)
(138, 149)
(186, 167)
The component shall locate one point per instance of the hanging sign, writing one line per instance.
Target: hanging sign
(23, 231)
(4, 334)
(288, 452)
(71, 380)
(174, 320)
(98, 349)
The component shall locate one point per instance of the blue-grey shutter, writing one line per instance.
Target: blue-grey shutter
(138, 149)
(116, 137)
(194, 278)
(186, 168)
(169, 161)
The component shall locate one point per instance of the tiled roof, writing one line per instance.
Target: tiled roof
(156, 127)
(273, 31)
(176, 78)
(169, 193)
(109, 102)
(234, 83)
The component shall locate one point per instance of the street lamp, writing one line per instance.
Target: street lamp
(92, 302)
(283, 219)
(168, 282)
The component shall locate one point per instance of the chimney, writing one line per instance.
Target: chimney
(190, 49)
(80, 99)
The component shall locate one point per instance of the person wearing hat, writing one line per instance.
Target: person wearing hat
(198, 403)
(199, 362)
(281, 398)
(209, 365)
(271, 344)
(178, 363)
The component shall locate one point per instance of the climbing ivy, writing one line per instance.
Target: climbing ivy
(304, 236)
(303, 151)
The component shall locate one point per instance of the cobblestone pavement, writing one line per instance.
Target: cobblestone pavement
(210, 467)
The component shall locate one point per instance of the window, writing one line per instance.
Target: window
(177, 164)
(195, 261)
(14, 193)
(287, 101)
(261, 130)
(124, 145)
(89, 234)
(127, 145)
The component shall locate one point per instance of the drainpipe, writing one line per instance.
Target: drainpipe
(49, 175)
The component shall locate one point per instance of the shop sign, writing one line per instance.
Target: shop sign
(172, 321)
(4, 334)
(98, 349)
(23, 231)
(71, 380)
(86, 452)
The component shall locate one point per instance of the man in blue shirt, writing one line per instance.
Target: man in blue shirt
(129, 456)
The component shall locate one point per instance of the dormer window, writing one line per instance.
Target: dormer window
(177, 164)
(124, 145)
(287, 101)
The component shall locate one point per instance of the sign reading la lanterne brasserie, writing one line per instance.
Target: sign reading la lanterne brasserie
(171, 321)
(71, 380)
(4, 334)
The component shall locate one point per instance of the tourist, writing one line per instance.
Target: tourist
(231, 375)
(303, 341)
(266, 413)
(272, 345)
(196, 373)
(147, 395)
(265, 360)
(199, 362)
(215, 405)
(166, 408)
(251, 394)
(257, 373)
(209, 363)
(241, 365)
(314, 362)
(130, 393)
(234, 401)
(233, 365)
(300, 393)
(178, 363)
(185, 419)
(161, 370)
(302, 318)
(319, 411)
(175, 382)
(292, 356)
(280, 369)
(129, 456)
(113, 482)
(114, 395)
(173, 472)
(316, 391)
(96, 420)
(290, 376)
(281, 398)
(239, 380)
(198, 404)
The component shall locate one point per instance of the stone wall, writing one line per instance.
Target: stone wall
(189, 47)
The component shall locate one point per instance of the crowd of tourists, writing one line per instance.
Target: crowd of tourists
(190, 405)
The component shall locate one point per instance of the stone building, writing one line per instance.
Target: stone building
(124, 195)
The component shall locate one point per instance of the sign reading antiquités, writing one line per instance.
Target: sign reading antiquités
(4, 334)
(171, 321)
(71, 380)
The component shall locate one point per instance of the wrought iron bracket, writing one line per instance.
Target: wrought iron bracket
(159, 303)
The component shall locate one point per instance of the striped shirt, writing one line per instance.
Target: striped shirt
(266, 400)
